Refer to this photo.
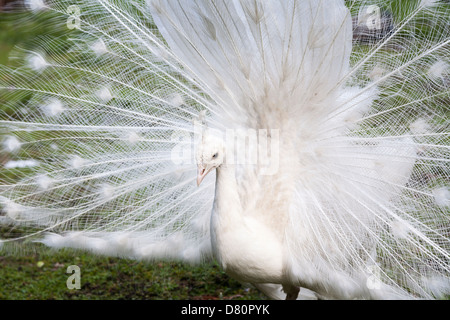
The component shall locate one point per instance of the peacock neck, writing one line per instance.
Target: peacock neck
(227, 211)
(227, 204)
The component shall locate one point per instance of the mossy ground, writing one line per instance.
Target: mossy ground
(44, 276)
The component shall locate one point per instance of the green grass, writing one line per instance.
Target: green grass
(44, 276)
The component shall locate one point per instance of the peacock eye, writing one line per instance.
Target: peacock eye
(215, 155)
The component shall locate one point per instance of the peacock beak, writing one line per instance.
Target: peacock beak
(201, 174)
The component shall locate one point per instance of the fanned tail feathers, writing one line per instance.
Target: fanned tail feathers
(108, 118)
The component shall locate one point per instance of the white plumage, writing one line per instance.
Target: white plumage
(323, 162)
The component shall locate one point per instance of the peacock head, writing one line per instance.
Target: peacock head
(210, 155)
